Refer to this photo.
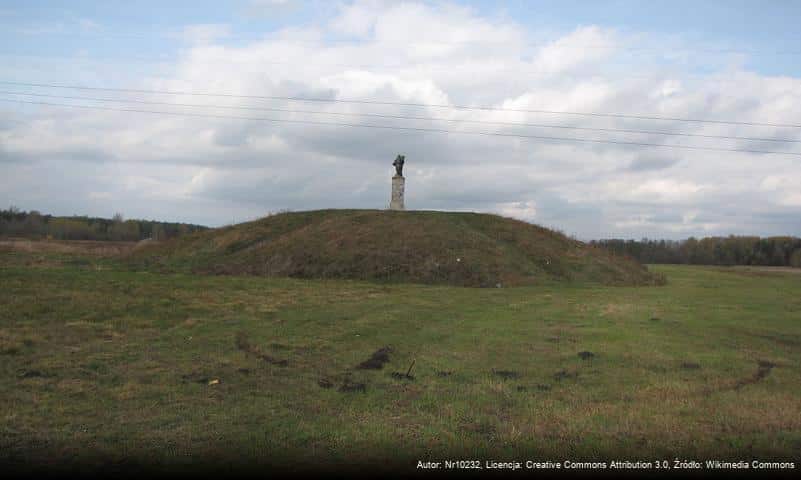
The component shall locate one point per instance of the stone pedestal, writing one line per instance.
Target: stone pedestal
(398, 185)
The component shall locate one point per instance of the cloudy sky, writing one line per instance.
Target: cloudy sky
(248, 146)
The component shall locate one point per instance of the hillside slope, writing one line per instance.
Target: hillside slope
(466, 249)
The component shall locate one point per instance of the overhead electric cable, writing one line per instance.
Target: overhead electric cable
(416, 129)
(407, 117)
(406, 104)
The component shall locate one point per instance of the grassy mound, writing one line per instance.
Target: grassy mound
(466, 249)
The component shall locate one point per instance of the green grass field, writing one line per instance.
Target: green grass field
(99, 365)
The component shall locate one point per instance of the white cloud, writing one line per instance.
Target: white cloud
(583, 47)
(525, 210)
(357, 19)
(100, 195)
(88, 25)
(791, 200)
(362, 84)
(203, 33)
(666, 190)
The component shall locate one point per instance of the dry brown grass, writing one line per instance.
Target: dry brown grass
(85, 247)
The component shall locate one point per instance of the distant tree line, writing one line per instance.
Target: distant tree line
(731, 250)
(15, 222)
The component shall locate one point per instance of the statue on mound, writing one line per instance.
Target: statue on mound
(398, 163)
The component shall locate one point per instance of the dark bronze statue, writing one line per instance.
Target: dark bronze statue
(398, 163)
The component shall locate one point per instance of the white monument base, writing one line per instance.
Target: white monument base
(398, 185)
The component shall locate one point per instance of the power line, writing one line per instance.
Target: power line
(408, 117)
(404, 104)
(415, 129)
(398, 69)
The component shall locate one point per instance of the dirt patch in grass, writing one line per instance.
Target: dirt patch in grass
(325, 383)
(585, 355)
(243, 344)
(564, 375)
(195, 378)
(506, 374)
(690, 366)
(560, 339)
(290, 348)
(349, 386)
(785, 339)
(765, 364)
(763, 370)
(11, 344)
(376, 360)
(23, 374)
(483, 428)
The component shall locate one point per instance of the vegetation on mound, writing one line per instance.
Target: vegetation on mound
(465, 249)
